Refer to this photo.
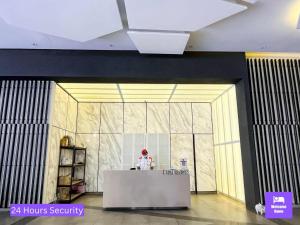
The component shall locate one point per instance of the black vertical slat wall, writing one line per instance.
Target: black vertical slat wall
(275, 91)
(23, 140)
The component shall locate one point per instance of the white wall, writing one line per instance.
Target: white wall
(63, 114)
(229, 170)
(100, 126)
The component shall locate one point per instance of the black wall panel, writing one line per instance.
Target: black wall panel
(276, 114)
(130, 66)
(23, 140)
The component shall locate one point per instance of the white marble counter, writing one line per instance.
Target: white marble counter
(145, 189)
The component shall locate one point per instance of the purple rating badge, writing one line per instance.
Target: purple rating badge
(279, 205)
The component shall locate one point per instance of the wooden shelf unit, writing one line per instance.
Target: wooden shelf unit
(68, 188)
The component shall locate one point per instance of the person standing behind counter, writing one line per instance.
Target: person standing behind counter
(145, 161)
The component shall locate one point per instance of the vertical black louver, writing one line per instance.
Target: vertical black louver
(23, 140)
(275, 95)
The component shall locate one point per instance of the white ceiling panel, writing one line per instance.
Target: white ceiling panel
(178, 15)
(159, 42)
(79, 20)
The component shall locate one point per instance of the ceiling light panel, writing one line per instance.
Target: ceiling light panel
(159, 42)
(203, 86)
(99, 100)
(88, 86)
(79, 20)
(93, 92)
(178, 15)
(146, 86)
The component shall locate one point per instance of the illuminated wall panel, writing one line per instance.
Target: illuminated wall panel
(223, 160)
(218, 169)
(238, 169)
(229, 170)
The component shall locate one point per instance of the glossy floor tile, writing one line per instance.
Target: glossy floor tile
(209, 209)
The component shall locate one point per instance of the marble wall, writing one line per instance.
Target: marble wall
(104, 125)
(63, 115)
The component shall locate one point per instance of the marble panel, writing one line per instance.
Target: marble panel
(55, 135)
(52, 161)
(111, 118)
(158, 118)
(72, 137)
(135, 118)
(182, 147)
(181, 118)
(59, 107)
(205, 162)
(110, 155)
(202, 118)
(72, 114)
(91, 142)
(51, 184)
(88, 120)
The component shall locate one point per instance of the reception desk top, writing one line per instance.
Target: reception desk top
(146, 189)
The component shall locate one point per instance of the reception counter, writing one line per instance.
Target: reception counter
(145, 189)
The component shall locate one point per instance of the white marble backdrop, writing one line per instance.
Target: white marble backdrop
(111, 118)
(91, 142)
(110, 153)
(202, 118)
(62, 122)
(88, 120)
(101, 126)
(181, 118)
(182, 147)
(135, 118)
(205, 166)
(158, 118)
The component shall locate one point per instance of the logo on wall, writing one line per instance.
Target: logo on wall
(279, 205)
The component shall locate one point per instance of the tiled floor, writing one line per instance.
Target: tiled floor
(206, 210)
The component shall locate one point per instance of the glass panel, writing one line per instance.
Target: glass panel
(226, 118)
(218, 169)
(220, 120)
(224, 169)
(230, 171)
(239, 172)
(234, 115)
(215, 122)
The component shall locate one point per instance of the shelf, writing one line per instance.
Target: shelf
(72, 148)
(70, 165)
(74, 182)
(74, 196)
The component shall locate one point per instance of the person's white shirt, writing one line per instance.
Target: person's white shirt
(144, 161)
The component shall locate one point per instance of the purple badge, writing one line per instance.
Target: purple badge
(279, 205)
(46, 210)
